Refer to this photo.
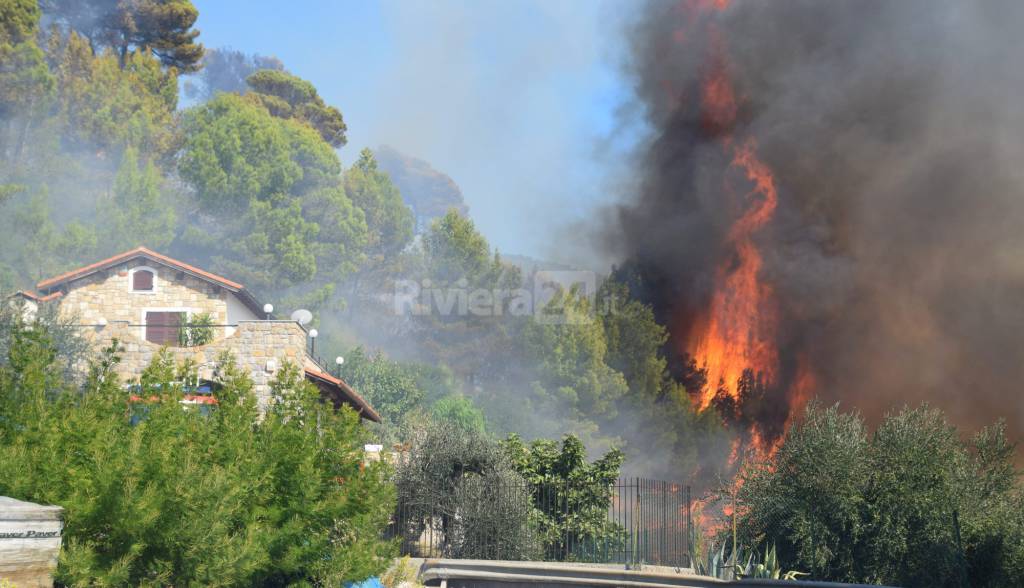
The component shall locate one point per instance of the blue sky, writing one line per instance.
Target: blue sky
(516, 100)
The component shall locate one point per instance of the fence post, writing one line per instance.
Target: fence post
(689, 528)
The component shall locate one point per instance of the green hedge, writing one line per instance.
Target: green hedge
(227, 499)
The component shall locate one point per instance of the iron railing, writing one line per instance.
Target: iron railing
(632, 521)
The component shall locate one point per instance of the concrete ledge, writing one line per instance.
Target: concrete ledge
(454, 573)
(29, 542)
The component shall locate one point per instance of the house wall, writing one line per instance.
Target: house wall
(106, 301)
(238, 312)
(107, 296)
(260, 348)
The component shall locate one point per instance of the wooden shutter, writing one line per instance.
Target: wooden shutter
(162, 327)
(142, 280)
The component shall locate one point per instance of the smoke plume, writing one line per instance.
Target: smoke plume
(895, 135)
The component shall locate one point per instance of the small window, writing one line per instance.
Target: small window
(142, 281)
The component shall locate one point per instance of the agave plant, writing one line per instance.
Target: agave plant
(717, 565)
(768, 568)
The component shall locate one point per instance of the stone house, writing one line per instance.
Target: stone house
(148, 301)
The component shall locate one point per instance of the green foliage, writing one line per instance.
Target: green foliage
(139, 212)
(573, 507)
(459, 411)
(225, 70)
(634, 340)
(403, 573)
(910, 505)
(198, 331)
(386, 384)
(26, 84)
(461, 484)
(456, 250)
(161, 28)
(107, 105)
(283, 500)
(19, 21)
(25, 80)
(543, 461)
(280, 215)
(714, 563)
(571, 354)
(43, 248)
(287, 96)
(388, 219)
(235, 151)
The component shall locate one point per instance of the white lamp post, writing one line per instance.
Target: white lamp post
(312, 336)
(267, 309)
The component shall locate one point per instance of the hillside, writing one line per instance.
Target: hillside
(427, 191)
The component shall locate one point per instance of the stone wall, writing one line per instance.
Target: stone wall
(259, 347)
(107, 295)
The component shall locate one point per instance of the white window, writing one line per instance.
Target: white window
(142, 280)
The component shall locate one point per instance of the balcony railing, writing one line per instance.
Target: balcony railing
(185, 335)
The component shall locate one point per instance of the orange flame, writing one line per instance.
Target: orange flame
(738, 329)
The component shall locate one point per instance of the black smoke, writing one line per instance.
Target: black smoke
(896, 133)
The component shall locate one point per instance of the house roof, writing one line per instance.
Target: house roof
(48, 287)
(128, 255)
(347, 394)
(38, 297)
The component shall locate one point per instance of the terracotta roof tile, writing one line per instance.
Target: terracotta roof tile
(137, 252)
(363, 407)
(39, 297)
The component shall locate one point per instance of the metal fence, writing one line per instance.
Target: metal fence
(632, 521)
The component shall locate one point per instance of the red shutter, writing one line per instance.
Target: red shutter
(162, 327)
(142, 280)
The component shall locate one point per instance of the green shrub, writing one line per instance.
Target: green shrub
(460, 412)
(912, 504)
(572, 497)
(228, 499)
(458, 486)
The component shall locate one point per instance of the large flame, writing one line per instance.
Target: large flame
(738, 329)
(741, 321)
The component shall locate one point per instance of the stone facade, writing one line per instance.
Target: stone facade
(107, 296)
(260, 348)
(106, 306)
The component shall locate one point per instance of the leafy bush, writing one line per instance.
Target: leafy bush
(458, 487)
(572, 496)
(388, 385)
(229, 499)
(459, 411)
(463, 494)
(911, 505)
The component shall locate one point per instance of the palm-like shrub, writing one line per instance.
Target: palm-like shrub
(198, 331)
